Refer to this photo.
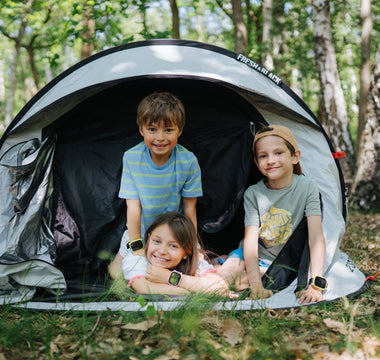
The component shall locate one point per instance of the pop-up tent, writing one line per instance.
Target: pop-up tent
(60, 163)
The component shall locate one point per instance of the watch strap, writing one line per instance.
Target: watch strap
(135, 245)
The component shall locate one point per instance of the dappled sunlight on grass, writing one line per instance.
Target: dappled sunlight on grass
(343, 329)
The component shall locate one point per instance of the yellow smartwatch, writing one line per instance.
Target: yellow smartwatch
(318, 282)
(135, 245)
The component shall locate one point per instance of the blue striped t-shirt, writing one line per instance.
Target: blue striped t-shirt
(159, 188)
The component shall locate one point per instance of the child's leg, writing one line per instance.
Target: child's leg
(115, 267)
(232, 270)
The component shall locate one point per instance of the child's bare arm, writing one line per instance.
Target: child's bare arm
(189, 209)
(134, 230)
(134, 222)
(115, 267)
(134, 218)
(317, 245)
(251, 259)
(144, 286)
(208, 283)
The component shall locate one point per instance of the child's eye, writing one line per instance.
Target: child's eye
(174, 246)
(151, 129)
(155, 241)
(169, 130)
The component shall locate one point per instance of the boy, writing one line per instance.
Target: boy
(273, 209)
(159, 175)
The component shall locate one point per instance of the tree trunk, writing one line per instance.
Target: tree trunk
(175, 19)
(88, 34)
(36, 79)
(365, 68)
(333, 103)
(366, 187)
(13, 72)
(267, 41)
(240, 29)
(2, 82)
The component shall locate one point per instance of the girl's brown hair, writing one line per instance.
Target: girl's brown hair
(184, 232)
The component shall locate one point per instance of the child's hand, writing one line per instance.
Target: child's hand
(311, 294)
(260, 293)
(157, 274)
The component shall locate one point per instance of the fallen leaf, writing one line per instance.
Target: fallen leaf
(370, 345)
(335, 325)
(232, 331)
(143, 325)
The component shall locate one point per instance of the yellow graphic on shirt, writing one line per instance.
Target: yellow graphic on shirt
(276, 227)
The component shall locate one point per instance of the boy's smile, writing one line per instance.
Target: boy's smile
(160, 139)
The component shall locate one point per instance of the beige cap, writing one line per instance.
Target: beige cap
(284, 133)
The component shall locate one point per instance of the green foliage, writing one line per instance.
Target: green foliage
(55, 32)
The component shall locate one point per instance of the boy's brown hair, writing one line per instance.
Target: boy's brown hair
(161, 106)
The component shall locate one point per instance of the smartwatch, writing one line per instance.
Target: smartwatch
(318, 282)
(135, 245)
(175, 278)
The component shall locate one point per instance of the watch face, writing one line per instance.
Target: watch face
(175, 278)
(136, 244)
(320, 282)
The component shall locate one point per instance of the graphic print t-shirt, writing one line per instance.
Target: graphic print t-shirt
(278, 212)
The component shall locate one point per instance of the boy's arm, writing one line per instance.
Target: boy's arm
(134, 218)
(189, 209)
(134, 222)
(251, 259)
(317, 245)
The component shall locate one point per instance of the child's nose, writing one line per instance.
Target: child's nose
(162, 249)
(160, 134)
(271, 158)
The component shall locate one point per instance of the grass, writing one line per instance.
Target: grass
(344, 329)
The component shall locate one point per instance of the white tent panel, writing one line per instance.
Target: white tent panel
(168, 60)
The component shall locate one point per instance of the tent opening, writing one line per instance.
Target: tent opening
(91, 139)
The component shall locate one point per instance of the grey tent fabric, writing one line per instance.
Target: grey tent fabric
(28, 247)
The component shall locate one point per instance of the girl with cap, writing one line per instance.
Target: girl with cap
(273, 209)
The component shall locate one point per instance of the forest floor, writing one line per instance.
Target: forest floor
(344, 329)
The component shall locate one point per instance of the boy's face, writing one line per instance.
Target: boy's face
(160, 139)
(273, 158)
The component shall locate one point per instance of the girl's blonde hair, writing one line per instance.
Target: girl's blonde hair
(184, 232)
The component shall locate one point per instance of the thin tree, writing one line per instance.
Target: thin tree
(240, 30)
(333, 112)
(267, 41)
(175, 19)
(16, 54)
(88, 33)
(365, 68)
(366, 187)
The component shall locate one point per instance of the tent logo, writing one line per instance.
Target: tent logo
(259, 68)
